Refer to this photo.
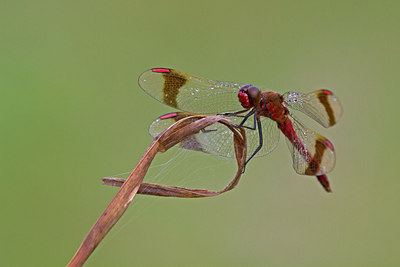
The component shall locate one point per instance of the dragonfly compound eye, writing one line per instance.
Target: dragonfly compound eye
(249, 96)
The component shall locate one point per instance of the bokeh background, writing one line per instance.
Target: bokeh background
(72, 112)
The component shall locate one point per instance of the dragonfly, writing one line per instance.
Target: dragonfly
(264, 115)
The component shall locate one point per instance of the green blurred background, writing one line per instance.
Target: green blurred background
(72, 112)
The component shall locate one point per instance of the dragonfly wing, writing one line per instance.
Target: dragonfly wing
(312, 153)
(217, 139)
(321, 105)
(189, 92)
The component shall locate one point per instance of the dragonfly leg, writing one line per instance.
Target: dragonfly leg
(234, 114)
(261, 140)
(245, 117)
(241, 123)
(254, 124)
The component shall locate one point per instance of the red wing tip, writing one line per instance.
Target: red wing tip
(329, 144)
(162, 70)
(168, 116)
(327, 92)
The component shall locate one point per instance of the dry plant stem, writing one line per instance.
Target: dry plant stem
(170, 137)
(115, 209)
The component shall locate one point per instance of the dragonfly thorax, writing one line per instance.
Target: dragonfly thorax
(271, 106)
(249, 96)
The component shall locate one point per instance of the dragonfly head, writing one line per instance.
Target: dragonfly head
(249, 96)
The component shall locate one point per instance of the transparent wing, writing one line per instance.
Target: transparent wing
(189, 92)
(321, 105)
(217, 139)
(312, 153)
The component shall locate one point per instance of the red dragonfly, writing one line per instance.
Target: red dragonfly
(312, 153)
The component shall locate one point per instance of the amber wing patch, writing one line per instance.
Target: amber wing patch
(173, 81)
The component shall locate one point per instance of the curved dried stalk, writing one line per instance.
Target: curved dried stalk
(133, 184)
